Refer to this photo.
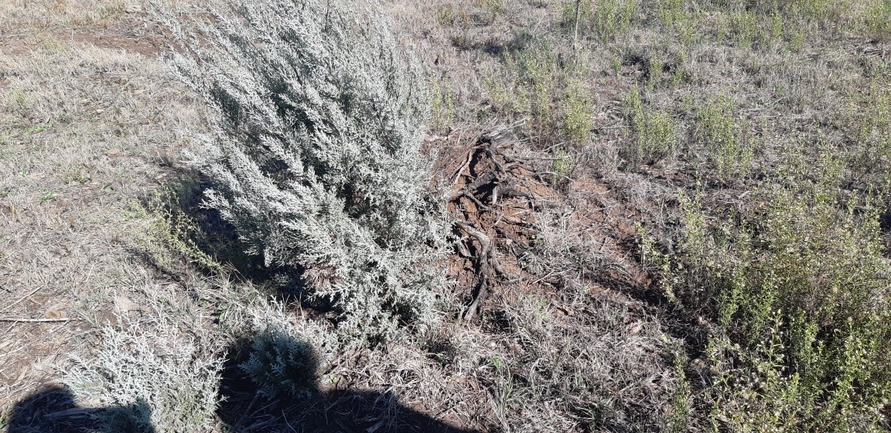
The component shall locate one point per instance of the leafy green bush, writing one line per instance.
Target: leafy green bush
(729, 151)
(800, 290)
(317, 119)
(655, 135)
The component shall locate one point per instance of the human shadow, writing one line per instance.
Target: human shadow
(53, 410)
(304, 407)
(245, 406)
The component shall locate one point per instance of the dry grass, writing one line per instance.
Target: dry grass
(596, 327)
(86, 132)
(17, 16)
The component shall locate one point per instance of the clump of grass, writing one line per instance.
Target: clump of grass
(681, 400)
(562, 165)
(744, 26)
(877, 19)
(575, 114)
(872, 129)
(551, 94)
(605, 19)
(681, 18)
(494, 6)
(728, 149)
(654, 134)
(442, 104)
(613, 17)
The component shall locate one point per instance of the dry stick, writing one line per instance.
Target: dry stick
(483, 259)
(67, 319)
(457, 174)
(9, 307)
(575, 38)
(482, 206)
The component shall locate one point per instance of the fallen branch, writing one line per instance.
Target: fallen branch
(9, 307)
(17, 320)
(483, 261)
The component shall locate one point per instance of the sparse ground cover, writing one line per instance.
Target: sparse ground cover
(668, 216)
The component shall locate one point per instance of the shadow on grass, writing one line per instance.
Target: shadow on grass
(290, 401)
(300, 404)
(244, 407)
(196, 238)
(53, 411)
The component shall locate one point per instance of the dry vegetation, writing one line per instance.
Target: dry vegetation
(667, 216)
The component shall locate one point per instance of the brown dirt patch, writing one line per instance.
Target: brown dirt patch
(132, 33)
(497, 200)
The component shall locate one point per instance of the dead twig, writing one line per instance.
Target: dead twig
(9, 307)
(483, 261)
(25, 320)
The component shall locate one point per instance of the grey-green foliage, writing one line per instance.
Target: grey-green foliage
(279, 364)
(286, 355)
(156, 379)
(317, 120)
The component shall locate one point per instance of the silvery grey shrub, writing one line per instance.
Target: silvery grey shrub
(151, 377)
(286, 354)
(315, 150)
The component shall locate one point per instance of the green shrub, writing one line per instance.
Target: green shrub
(655, 135)
(316, 123)
(799, 287)
(575, 115)
(872, 128)
(729, 151)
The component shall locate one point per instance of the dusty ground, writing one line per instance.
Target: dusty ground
(88, 130)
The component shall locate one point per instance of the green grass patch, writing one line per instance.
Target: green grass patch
(727, 147)
(552, 95)
(604, 19)
(654, 134)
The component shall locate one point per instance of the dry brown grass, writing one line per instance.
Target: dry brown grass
(86, 132)
(585, 332)
(17, 16)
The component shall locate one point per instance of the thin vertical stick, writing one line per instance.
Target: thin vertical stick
(575, 37)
